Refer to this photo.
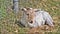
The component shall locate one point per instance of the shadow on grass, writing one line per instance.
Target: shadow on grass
(19, 24)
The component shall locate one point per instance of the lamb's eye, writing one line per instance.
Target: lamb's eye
(27, 14)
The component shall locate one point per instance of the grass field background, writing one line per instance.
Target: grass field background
(8, 17)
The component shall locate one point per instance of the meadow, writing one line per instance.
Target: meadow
(8, 17)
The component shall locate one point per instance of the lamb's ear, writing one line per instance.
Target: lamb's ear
(24, 9)
(29, 8)
(36, 10)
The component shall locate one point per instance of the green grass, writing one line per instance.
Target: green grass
(8, 17)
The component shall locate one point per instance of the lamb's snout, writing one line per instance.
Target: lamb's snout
(31, 22)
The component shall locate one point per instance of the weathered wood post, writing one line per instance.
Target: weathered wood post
(15, 6)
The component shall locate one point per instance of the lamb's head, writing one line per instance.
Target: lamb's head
(30, 12)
